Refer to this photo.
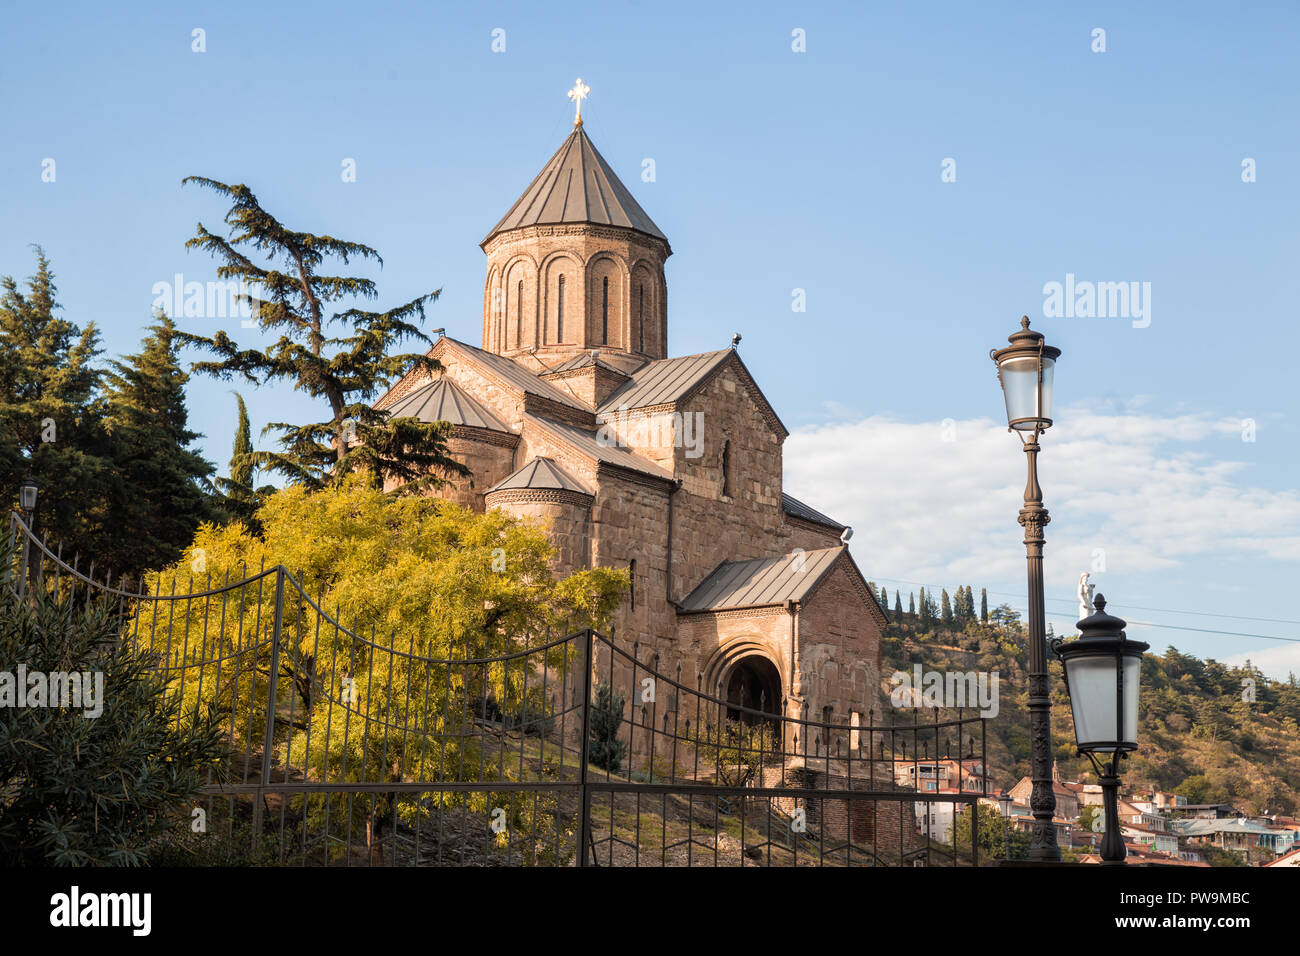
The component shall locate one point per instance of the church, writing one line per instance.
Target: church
(571, 412)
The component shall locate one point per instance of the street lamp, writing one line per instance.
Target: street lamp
(1004, 801)
(1102, 673)
(1025, 370)
(27, 492)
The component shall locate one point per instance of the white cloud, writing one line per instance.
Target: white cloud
(1153, 492)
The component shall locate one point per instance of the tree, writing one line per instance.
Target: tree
(604, 747)
(884, 602)
(993, 838)
(344, 371)
(947, 608)
(51, 416)
(161, 493)
(925, 610)
(419, 581)
(911, 603)
(898, 605)
(78, 790)
(238, 497)
(984, 605)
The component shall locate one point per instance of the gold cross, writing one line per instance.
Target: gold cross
(578, 94)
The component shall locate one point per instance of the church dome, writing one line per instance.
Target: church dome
(576, 264)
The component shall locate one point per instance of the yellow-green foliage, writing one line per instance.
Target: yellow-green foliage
(423, 588)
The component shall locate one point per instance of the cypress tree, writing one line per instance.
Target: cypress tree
(345, 372)
(911, 603)
(898, 605)
(238, 496)
(947, 607)
(925, 609)
(984, 605)
(161, 495)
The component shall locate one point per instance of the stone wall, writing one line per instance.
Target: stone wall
(587, 256)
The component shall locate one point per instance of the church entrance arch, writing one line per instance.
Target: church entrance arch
(752, 682)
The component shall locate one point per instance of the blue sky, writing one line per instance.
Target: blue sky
(776, 171)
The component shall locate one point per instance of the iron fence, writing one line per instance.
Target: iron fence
(346, 746)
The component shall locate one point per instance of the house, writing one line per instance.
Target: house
(1067, 801)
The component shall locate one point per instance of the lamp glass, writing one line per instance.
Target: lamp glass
(1092, 700)
(27, 494)
(1027, 404)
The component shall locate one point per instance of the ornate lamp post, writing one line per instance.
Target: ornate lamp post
(1025, 370)
(1102, 673)
(1004, 802)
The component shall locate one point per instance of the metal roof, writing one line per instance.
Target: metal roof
(577, 185)
(583, 360)
(540, 473)
(585, 442)
(797, 509)
(762, 581)
(665, 381)
(515, 375)
(444, 401)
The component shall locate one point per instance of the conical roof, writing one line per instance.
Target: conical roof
(540, 474)
(577, 185)
(444, 401)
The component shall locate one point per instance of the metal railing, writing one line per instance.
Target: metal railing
(346, 746)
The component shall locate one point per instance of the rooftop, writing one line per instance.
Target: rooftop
(762, 582)
(577, 186)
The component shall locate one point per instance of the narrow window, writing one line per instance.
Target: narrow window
(604, 311)
(559, 313)
(726, 469)
(640, 317)
(631, 575)
(519, 314)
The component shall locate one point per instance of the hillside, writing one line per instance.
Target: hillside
(1197, 735)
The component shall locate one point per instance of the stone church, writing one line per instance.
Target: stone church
(572, 412)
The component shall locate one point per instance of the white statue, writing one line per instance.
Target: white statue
(1085, 596)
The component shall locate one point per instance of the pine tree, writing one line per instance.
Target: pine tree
(346, 371)
(947, 608)
(162, 491)
(51, 418)
(984, 605)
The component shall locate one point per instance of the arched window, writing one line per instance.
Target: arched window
(640, 317)
(519, 314)
(604, 311)
(726, 469)
(559, 313)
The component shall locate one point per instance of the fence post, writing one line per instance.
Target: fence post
(584, 794)
(268, 742)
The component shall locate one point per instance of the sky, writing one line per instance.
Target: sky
(917, 175)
